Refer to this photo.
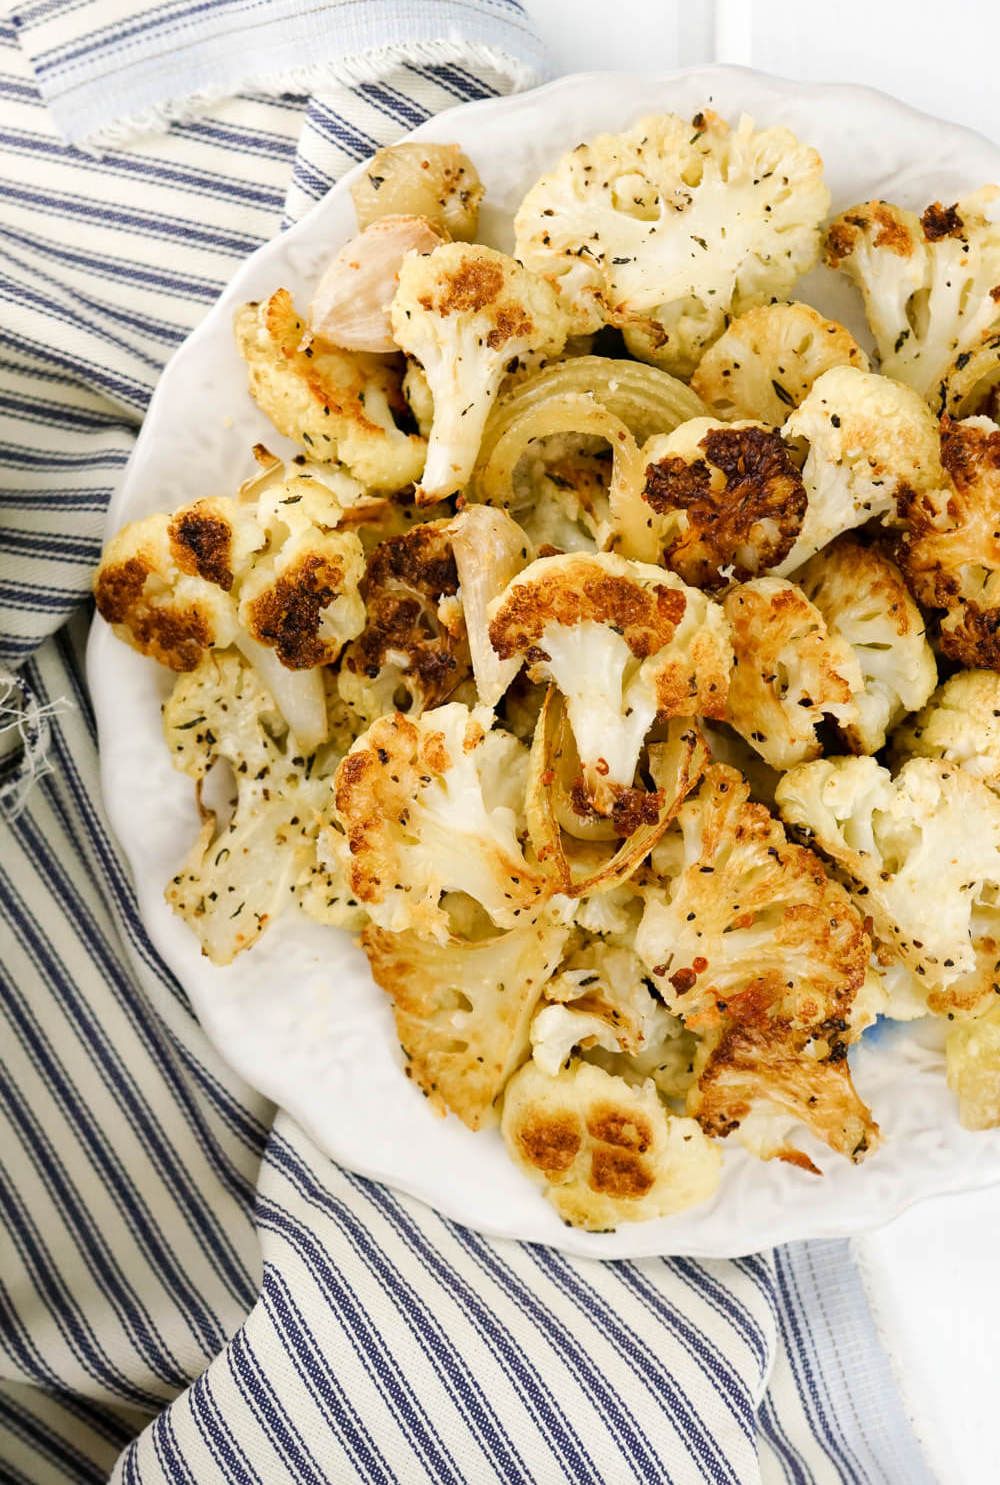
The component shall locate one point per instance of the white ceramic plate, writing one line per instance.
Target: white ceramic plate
(298, 1016)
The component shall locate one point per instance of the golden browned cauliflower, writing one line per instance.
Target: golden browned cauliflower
(465, 312)
(950, 549)
(931, 284)
(434, 805)
(412, 652)
(463, 1008)
(865, 603)
(724, 500)
(790, 670)
(243, 872)
(604, 1151)
(757, 949)
(434, 181)
(624, 642)
(766, 361)
(960, 724)
(672, 226)
(337, 404)
(921, 853)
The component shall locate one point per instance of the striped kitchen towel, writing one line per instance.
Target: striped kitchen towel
(189, 1290)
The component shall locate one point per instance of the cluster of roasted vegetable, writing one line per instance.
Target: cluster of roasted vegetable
(585, 657)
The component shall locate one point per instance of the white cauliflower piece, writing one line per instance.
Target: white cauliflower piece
(790, 671)
(865, 603)
(244, 872)
(720, 500)
(338, 404)
(870, 442)
(931, 284)
(463, 1009)
(604, 1151)
(624, 642)
(671, 227)
(960, 724)
(757, 950)
(766, 361)
(434, 805)
(599, 998)
(465, 312)
(927, 881)
(950, 549)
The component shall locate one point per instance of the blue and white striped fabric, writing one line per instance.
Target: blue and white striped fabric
(189, 1291)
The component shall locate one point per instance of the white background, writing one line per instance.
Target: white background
(933, 1276)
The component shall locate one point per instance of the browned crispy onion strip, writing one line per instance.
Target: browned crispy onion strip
(675, 767)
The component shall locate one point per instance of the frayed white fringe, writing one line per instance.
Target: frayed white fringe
(22, 716)
(367, 67)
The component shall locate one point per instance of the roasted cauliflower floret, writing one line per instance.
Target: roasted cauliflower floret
(599, 998)
(724, 500)
(412, 652)
(922, 855)
(972, 1054)
(605, 1151)
(433, 805)
(242, 874)
(765, 363)
(790, 671)
(624, 642)
(950, 549)
(757, 949)
(301, 599)
(337, 404)
(870, 443)
(463, 1008)
(434, 181)
(960, 724)
(165, 583)
(465, 312)
(863, 598)
(931, 284)
(672, 226)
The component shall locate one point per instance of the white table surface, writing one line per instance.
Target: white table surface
(932, 1275)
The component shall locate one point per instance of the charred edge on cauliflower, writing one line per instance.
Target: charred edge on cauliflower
(203, 546)
(176, 637)
(891, 234)
(630, 807)
(406, 579)
(762, 504)
(941, 221)
(287, 616)
(645, 618)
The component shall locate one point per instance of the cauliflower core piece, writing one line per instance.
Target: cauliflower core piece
(960, 724)
(765, 363)
(465, 312)
(950, 550)
(870, 444)
(604, 1151)
(624, 642)
(728, 500)
(673, 226)
(755, 947)
(412, 652)
(931, 284)
(338, 404)
(434, 181)
(865, 603)
(463, 1009)
(239, 876)
(789, 671)
(922, 855)
(430, 806)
